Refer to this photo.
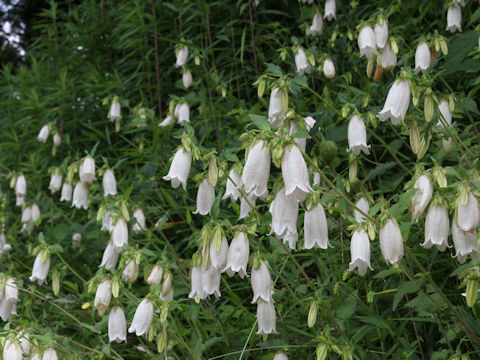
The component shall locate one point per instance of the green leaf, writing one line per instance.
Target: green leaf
(260, 121)
(406, 287)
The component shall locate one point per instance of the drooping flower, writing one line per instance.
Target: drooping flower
(205, 198)
(11, 291)
(180, 168)
(317, 25)
(187, 79)
(246, 205)
(437, 225)
(381, 34)
(120, 234)
(196, 283)
(261, 283)
(301, 61)
(50, 354)
(210, 282)
(218, 259)
(26, 215)
(397, 102)
(295, 173)
(107, 222)
(422, 57)
(155, 276)
(130, 273)
(391, 242)
(43, 134)
(467, 215)
(20, 190)
(182, 57)
(357, 136)
(366, 43)
(445, 117)
(76, 239)
(454, 19)
(330, 10)
(87, 171)
(167, 288)
(109, 183)
(40, 268)
(465, 243)
(35, 212)
(389, 58)
(315, 227)
(66, 192)
(115, 112)
(142, 320)
(422, 197)
(329, 69)
(234, 182)
(169, 120)
(238, 254)
(276, 113)
(12, 350)
(55, 182)
(139, 216)
(110, 257)
(24, 339)
(266, 318)
(117, 325)
(103, 296)
(257, 170)
(183, 113)
(57, 140)
(284, 210)
(360, 252)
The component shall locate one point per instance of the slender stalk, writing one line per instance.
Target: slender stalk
(157, 66)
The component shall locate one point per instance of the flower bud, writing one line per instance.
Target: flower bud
(363, 205)
(317, 25)
(257, 170)
(142, 320)
(155, 276)
(130, 273)
(397, 102)
(315, 228)
(183, 113)
(357, 136)
(66, 192)
(40, 268)
(301, 61)
(109, 183)
(180, 168)
(238, 254)
(422, 197)
(422, 57)
(329, 69)
(43, 134)
(360, 252)
(445, 116)
(261, 283)
(472, 292)
(139, 216)
(330, 10)
(266, 318)
(182, 57)
(391, 242)
(187, 79)
(117, 325)
(103, 296)
(436, 227)
(57, 140)
(276, 112)
(120, 234)
(366, 43)
(454, 19)
(381, 34)
(205, 198)
(167, 289)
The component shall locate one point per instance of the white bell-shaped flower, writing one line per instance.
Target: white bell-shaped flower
(366, 43)
(139, 216)
(360, 252)
(142, 320)
(295, 173)
(7, 309)
(238, 254)
(196, 289)
(437, 225)
(317, 178)
(87, 171)
(454, 19)
(115, 112)
(167, 288)
(40, 268)
(261, 283)
(317, 25)
(257, 170)
(330, 10)
(391, 242)
(302, 142)
(109, 183)
(315, 228)
(20, 201)
(107, 222)
(276, 113)
(66, 192)
(43, 134)
(103, 296)
(246, 205)
(283, 356)
(329, 69)
(180, 168)
(169, 120)
(50, 354)
(11, 291)
(381, 34)
(467, 215)
(57, 140)
(130, 273)
(76, 240)
(266, 318)
(25, 344)
(389, 58)
(21, 186)
(422, 197)
(210, 282)
(465, 243)
(110, 257)
(397, 102)
(184, 113)
(120, 234)
(182, 57)
(422, 57)
(12, 350)
(117, 325)
(35, 212)
(205, 198)
(357, 136)
(284, 210)
(309, 122)
(4, 246)
(55, 182)
(445, 117)
(187, 79)
(26, 215)
(155, 276)
(218, 258)
(301, 61)
(234, 182)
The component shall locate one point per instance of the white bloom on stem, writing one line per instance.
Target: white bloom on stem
(155, 276)
(20, 201)
(302, 142)
(169, 120)
(329, 69)
(50, 354)
(465, 243)
(103, 296)
(167, 288)
(7, 309)
(295, 173)
(182, 57)
(205, 198)
(76, 240)
(142, 320)
(117, 325)
(437, 225)
(257, 170)
(445, 116)
(40, 268)
(110, 257)
(467, 215)
(35, 212)
(234, 182)
(261, 283)
(26, 215)
(115, 112)
(43, 134)
(109, 183)
(366, 43)
(21, 186)
(284, 210)
(218, 259)
(317, 25)
(360, 252)
(183, 113)
(11, 291)
(389, 58)
(196, 283)
(309, 122)
(397, 102)
(266, 318)
(80, 196)
(330, 10)
(317, 178)
(180, 168)
(391, 242)
(301, 62)
(357, 136)
(381, 34)
(24, 339)
(66, 192)
(55, 182)
(315, 227)
(276, 113)
(422, 57)
(130, 273)
(281, 356)
(210, 282)
(12, 350)
(57, 140)
(422, 197)
(238, 254)
(107, 222)
(187, 79)
(246, 205)
(4, 246)
(120, 234)
(454, 19)
(87, 171)
(139, 216)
